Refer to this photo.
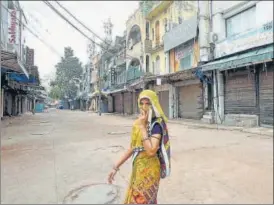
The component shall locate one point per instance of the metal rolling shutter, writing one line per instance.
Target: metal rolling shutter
(128, 103)
(135, 105)
(118, 107)
(164, 101)
(189, 105)
(266, 97)
(240, 93)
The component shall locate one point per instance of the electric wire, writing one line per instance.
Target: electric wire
(76, 28)
(34, 34)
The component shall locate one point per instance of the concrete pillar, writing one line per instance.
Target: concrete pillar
(2, 103)
(172, 101)
(218, 92)
(167, 70)
(204, 30)
(221, 110)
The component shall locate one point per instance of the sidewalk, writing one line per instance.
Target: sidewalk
(6, 120)
(199, 124)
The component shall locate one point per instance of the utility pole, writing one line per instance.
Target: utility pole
(99, 86)
(1, 65)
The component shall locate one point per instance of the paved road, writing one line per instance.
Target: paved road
(65, 156)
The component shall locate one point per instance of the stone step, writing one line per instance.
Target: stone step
(207, 116)
(207, 120)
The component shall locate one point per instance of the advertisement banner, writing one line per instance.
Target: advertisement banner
(13, 26)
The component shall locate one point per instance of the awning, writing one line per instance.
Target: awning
(10, 61)
(182, 33)
(258, 55)
(21, 78)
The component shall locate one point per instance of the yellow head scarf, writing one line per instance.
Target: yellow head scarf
(152, 96)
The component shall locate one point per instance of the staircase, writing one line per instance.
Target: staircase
(208, 117)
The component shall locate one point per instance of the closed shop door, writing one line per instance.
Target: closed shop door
(128, 103)
(118, 107)
(189, 102)
(135, 104)
(164, 101)
(240, 93)
(266, 97)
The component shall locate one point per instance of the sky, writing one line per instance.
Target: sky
(59, 34)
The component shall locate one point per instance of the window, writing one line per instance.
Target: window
(241, 22)
(180, 20)
(185, 63)
(147, 30)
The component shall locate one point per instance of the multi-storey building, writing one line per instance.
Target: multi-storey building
(241, 34)
(13, 57)
(174, 53)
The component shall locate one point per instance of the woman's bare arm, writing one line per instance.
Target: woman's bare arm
(151, 144)
(127, 154)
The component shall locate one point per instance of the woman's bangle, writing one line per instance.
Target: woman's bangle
(116, 168)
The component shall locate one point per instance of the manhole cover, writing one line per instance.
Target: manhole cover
(93, 194)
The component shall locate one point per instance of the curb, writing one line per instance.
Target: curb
(266, 132)
(228, 128)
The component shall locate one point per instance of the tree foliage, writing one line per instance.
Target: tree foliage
(68, 73)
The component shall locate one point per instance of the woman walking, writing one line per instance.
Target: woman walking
(150, 148)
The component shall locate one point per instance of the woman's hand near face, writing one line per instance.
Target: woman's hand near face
(142, 119)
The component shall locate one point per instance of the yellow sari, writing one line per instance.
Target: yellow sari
(145, 178)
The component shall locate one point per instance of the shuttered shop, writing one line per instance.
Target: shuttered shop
(189, 102)
(135, 103)
(164, 101)
(266, 97)
(118, 103)
(128, 103)
(240, 93)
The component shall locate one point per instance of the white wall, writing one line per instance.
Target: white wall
(4, 22)
(225, 9)
(4, 31)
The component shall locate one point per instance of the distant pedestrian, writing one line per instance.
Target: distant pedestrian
(150, 147)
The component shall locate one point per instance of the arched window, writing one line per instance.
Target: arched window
(157, 32)
(134, 36)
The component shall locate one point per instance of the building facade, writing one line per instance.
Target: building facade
(242, 69)
(17, 77)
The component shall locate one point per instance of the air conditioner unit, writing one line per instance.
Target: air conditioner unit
(213, 37)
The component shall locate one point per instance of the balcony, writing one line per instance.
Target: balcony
(158, 46)
(134, 73)
(148, 46)
(157, 8)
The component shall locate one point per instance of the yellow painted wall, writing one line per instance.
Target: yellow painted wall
(161, 16)
(162, 60)
(136, 18)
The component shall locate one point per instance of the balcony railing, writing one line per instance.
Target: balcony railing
(134, 72)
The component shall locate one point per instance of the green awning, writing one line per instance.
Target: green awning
(255, 56)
